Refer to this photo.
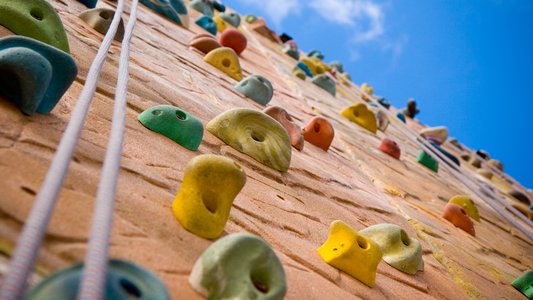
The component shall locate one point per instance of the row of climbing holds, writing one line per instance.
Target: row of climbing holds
(33, 74)
(524, 283)
(239, 266)
(325, 82)
(175, 10)
(437, 135)
(208, 24)
(458, 217)
(283, 117)
(226, 60)
(174, 123)
(319, 132)
(428, 161)
(100, 19)
(204, 42)
(203, 203)
(124, 280)
(257, 88)
(362, 116)
(255, 134)
(390, 147)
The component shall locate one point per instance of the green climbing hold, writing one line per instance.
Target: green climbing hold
(428, 161)
(174, 123)
(203, 6)
(524, 283)
(250, 19)
(257, 88)
(326, 83)
(100, 19)
(36, 19)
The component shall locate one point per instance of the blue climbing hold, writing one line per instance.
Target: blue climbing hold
(304, 68)
(208, 24)
(33, 74)
(89, 3)
(172, 9)
(316, 53)
(384, 102)
(124, 281)
(326, 83)
(401, 116)
(257, 88)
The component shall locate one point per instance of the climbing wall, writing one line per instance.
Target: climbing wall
(353, 181)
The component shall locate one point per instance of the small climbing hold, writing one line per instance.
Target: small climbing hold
(257, 88)
(475, 161)
(454, 159)
(255, 134)
(283, 117)
(291, 49)
(221, 24)
(337, 66)
(285, 37)
(226, 60)
(204, 42)
(351, 252)
(231, 18)
(298, 73)
(390, 147)
(458, 217)
(205, 7)
(239, 266)
(524, 283)
(426, 160)
(399, 250)
(468, 205)
(203, 203)
(302, 66)
(485, 173)
(382, 119)
(344, 78)
(33, 74)
(124, 280)
(495, 163)
(362, 116)
(36, 19)
(174, 123)
(316, 53)
(326, 83)
(89, 3)
(437, 134)
(208, 24)
(100, 19)
(411, 110)
(520, 196)
(400, 116)
(175, 10)
(314, 64)
(319, 132)
(233, 39)
(218, 6)
(261, 28)
(367, 88)
(250, 19)
(384, 102)
(483, 154)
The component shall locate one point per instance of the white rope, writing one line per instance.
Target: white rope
(96, 261)
(30, 239)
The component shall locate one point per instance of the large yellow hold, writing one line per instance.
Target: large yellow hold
(210, 184)
(467, 204)
(351, 252)
(226, 60)
(362, 116)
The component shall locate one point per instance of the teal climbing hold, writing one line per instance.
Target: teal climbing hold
(124, 280)
(524, 283)
(89, 3)
(208, 24)
(33, 74)
(291, 50)
(316, 53)
(203, 6)
(337, 66)
(401, 117)
(218, 6)
(428, 161)
(257, 88)
(325, 82)
(304, 68)
(36, 19)
(172, 9)
(174, 123)
(231, 18)
(100, 19)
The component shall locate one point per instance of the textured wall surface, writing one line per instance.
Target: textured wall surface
(353, 181)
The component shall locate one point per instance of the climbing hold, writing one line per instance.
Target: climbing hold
(367, 88)
(124, 280)
(351, 252)
(233, 39)
(304, 68)
(326, 83)
(384, 102)
(485, 173)
(316, 53)
(250, 19)
(484, 154)
(345, 79)
(89, 3)
(314, 64)
(203, 6)
(446, 153)
(291, 49)
(221, 24)
(174, 123)
(398, 249)
(208, 24)
(239, 266)
(401, 117)
(255, 134)
(257, 88)
(218, 6)
(468, 205)
(203, 203)
(295, 133)
(337, 66)
(437, 134)
(520, 197)
(319, 132)
(226, 60)
(524, 283)
(33, 74)
(100, 19)
(204, 42)
(382, 119)
(362, 116)
(429, 162)
(231, 18)
(457, 215)
(298, 73)
(284, 37)
(36, 19)
(411, 110)
(390, 147)
(496, 164)
(175, 10)
(475, 162)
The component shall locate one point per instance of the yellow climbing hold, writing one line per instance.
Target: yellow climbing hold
(367, 88)
(226, 60)
(315, 65)
(351, 252)
(210, 184)
(221, 24)
(362, 116)
(468, 205)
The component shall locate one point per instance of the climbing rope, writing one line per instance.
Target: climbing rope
(96, 261)
(30, 239)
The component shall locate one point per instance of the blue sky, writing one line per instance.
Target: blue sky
(467, 63)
